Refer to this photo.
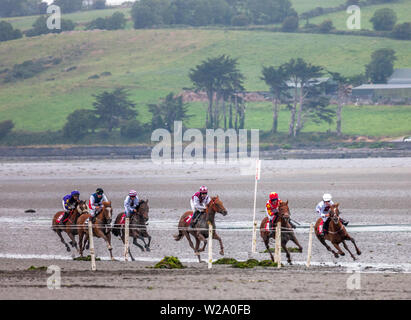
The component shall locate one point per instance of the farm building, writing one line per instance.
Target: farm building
(397, 87)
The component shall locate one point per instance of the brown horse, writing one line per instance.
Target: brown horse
(101, 227)
(287, 232)
(68, 228)
(138, 227)
(200, 232)
(336, 233)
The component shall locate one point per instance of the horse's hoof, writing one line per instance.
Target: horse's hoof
(68, 249)
(300, 250)
(336, 255)
(342, 254)
(222, 253)
(359, 253)
(148, 249)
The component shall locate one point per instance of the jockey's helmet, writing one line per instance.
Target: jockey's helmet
(99, 191)
(203, 190)
(132, 193)
(327, 197)
(273, 196)
(75, 193)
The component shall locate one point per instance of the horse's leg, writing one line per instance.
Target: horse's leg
(99, 234)
(197, 253)
(284, 246)
(73, 241)
(131, 256)
(266, 240)
(141, 237)
(355, 245)
(322, 240)
(189, 240)
(337, 246)
(202, 238)
(62, 240)
(293, 238)
(82, 241)
(216, 236)
(346, 248)
(137, 244)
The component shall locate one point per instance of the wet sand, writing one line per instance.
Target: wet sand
(370, 192)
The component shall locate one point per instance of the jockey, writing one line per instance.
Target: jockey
(271, 208)
(131, 203)
(323, 209)
(69, 203)
(95, 204)
(199, 202)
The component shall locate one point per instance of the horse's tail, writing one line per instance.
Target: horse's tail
(177, 237)
(116, 230)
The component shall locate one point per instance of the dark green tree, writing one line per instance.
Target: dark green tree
(5, 128)
(402, 31)
(344, 88)
(384, 19)
(276, 79)
(381, 66)
(113, 107)
(79, 123)
(40, 27)
(147, 13)
(8, 33)
(219, 77)
(68, 6)
(170, 109)
(290, 24)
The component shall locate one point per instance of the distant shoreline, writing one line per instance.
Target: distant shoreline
(144, 152)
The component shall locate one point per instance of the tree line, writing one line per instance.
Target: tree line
(148, 13)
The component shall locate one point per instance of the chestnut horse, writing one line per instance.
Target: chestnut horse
(336, 233)
(68, 228)
(287, 232)
(138, 228)
(101, 227)
(200, 232)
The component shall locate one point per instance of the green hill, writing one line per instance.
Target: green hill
(402, 8)
(151, 63)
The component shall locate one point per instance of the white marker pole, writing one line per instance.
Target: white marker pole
(278, 244)
(126, 238)
(91, 243)
(310, 245)
(257, 177)
(210, 245)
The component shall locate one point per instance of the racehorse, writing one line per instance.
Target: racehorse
(287, 232)
(101, 227)
(336, 233)
(137, 227)
(81, 208)
(200, 230)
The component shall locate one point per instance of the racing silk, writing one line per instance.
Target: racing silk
(68, 202)
(130, 205)
(95, 201)
(323, 209)
(197, 204)
(271, 210)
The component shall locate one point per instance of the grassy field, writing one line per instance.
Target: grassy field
(152, 63)
(402, 8)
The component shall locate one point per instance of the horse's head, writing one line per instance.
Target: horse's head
(284, 211)
(335, 213)
(107, 211)
(217, 206)
(82, 207)
(143, 210)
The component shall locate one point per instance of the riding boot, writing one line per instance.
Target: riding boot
(194, 219)
(344, 222)
(325, 226)
(272, 226)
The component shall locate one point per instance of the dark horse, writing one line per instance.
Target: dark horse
(81, 208)
(138, 227)
(200, 230)
(336, 233)
(101, 228)
(287, 232)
